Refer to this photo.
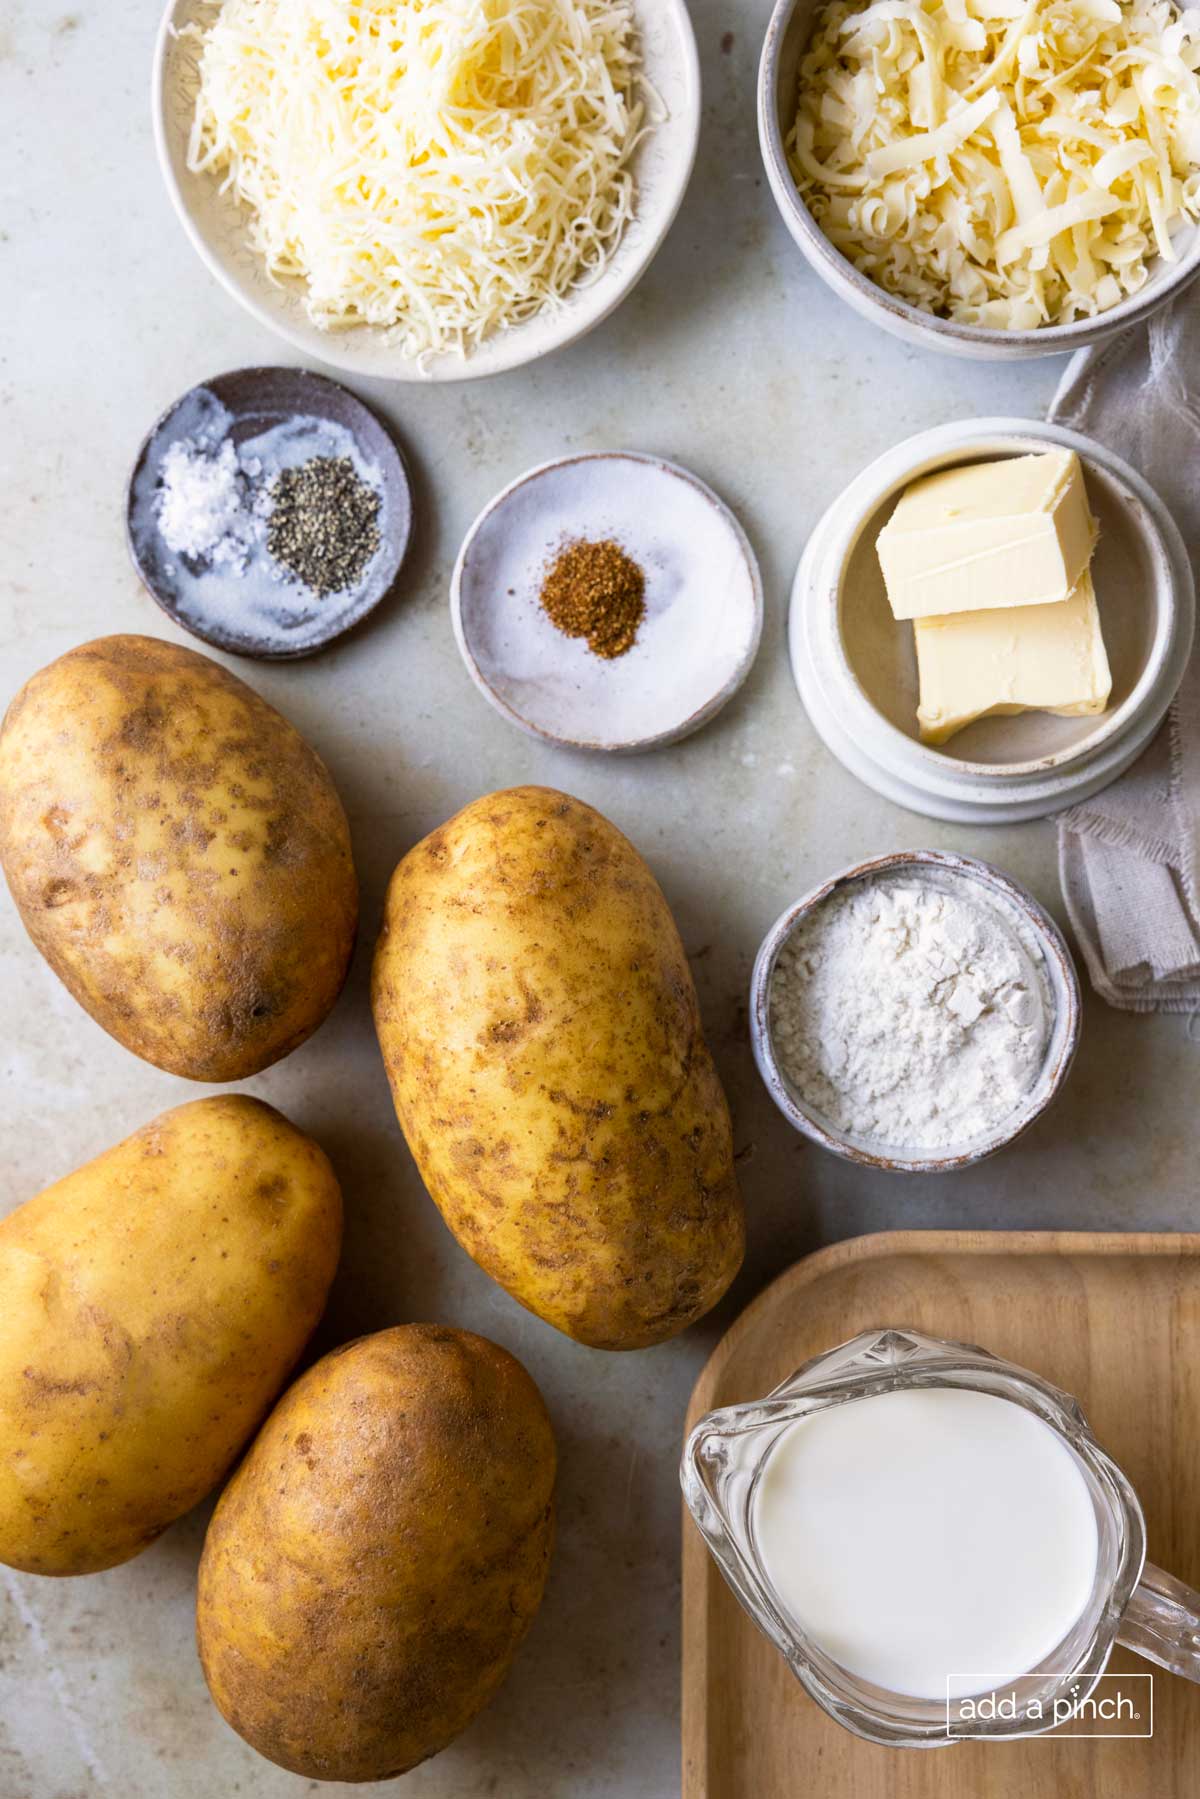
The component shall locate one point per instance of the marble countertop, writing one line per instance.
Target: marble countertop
(733, 360)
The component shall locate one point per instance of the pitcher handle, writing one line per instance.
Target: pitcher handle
(1162, 1622)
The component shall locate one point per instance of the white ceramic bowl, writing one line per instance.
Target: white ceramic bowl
(704, 603)
(1040, 933)
(855, 665)
(778, 76)
(216, 224)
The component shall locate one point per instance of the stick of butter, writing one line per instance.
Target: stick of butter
(1021, 659)
(1017, 532)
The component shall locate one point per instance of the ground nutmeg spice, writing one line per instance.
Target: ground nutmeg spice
(596, 591)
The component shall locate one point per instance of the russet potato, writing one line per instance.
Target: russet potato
(178, 854)
(152, 1304)
(376, 1560)
(541, 1034)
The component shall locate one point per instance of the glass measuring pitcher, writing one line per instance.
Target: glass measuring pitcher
(1131, 1601)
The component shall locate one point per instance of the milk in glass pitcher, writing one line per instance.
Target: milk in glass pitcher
(934, 1540)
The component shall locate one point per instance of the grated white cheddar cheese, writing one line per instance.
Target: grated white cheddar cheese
(1009, 163)
(446, 168)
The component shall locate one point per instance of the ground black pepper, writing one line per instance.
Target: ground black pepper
(323, 524)
(595, 590)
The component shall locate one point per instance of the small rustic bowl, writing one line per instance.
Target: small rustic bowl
(778, 79)
(257, 400)
(855, 664)
(704, 603)
(216, 224)
(1062, 983)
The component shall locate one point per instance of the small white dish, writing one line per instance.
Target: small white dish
(855, 666)
(704, 605)
(1037, 930)
(778, 77)
(216, 224)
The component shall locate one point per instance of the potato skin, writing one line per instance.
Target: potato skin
(178, 854)
(152, 1305)
(373, 1565)
(540, 1030)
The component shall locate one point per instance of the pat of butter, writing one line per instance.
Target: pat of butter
(1021, 659)
(1013, 533)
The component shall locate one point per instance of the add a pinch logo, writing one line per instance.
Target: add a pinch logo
(1115, 1705)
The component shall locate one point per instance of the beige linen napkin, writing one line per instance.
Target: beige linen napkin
(1130, 856)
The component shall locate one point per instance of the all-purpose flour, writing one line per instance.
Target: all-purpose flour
(911, 1012)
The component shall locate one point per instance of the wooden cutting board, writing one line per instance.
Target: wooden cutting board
(1112, 1318)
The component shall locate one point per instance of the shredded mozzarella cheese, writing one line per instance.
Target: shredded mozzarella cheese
(446, 168)
(1010, 163)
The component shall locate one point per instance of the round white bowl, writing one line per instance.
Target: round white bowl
(778, 76)
(1062, 984)
(216, 224)
(704, 603)
(855, 665)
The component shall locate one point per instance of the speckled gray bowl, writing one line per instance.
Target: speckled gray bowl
(1061, 980)
(778, 76)
(221, 611)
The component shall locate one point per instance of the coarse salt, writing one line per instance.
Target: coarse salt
(202, 508)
